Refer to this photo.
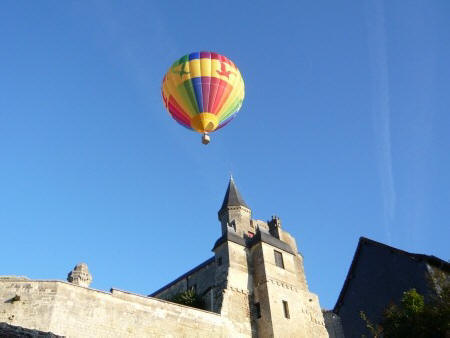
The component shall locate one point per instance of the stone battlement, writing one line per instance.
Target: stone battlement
(253, 286)
(75, 311)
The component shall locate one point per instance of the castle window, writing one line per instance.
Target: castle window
(258, 310)
(278, 259)
(286, 309)
(219, 261)
(232, 224)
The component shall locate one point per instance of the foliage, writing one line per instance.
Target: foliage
(415, 317)
(375, 329)
(189, 298)
(406, 319)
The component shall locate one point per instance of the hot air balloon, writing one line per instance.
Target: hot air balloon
(203, 91)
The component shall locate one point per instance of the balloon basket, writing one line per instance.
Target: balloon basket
(205, 139)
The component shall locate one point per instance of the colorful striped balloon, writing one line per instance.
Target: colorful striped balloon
(203, 91)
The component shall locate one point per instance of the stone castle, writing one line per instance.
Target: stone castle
(253, 286)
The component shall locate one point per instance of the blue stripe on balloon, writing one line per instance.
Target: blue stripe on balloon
(226, 121)
(194, 56)
(197, 83)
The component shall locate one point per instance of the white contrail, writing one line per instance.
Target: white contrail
(381, 107)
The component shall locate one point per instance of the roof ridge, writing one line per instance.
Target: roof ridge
(411, 254)
(436, 261)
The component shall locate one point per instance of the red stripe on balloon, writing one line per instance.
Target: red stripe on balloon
(206, 85)
(180, 118)
(178, 107)
(215, 56)
(221, 58)
(164, 97)
(219, 93)
(183, 123)
(222, 95)
(213, 89)
(177, 111)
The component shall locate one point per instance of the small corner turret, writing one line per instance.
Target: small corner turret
(275, 226)
(80, 275)
(234, 214)
(232, 197)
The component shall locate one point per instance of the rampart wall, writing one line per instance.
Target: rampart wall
(200, 278)
(74, 311)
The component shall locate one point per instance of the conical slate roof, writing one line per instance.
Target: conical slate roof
(233, 197)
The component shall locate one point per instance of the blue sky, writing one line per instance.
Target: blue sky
(344, 132)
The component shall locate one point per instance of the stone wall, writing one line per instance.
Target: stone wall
(234, 287)
(333, 324)
(200, 278)
(74, 311)
(242, 273)
(237, 218)
(273, 285)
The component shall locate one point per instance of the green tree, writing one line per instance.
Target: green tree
(415, 317)
(189, 298)
(405, 319)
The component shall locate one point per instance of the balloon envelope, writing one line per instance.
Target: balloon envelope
(203, 91)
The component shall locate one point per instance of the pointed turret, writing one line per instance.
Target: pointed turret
(234, 214)
(233, 197)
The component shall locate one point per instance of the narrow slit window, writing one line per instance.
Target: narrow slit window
(286, 309)
(258, 310)
(279, 259)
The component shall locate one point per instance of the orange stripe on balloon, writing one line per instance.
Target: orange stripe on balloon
(225, 92)
(237, 86)
(214, 88)
(220, 90)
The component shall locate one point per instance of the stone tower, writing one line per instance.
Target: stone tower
(80, 275)
(253, 286)
(260, 284)
(235, 214)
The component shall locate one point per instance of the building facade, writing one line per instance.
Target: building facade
(256, 278)
(253, 286)
(378, 276)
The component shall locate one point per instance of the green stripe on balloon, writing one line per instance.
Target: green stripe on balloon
(191, 94)
(231, 110)
(186, 98)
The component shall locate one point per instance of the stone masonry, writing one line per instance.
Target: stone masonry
(253, 286)
(80, 275)
(74, 311)
(255, 279)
